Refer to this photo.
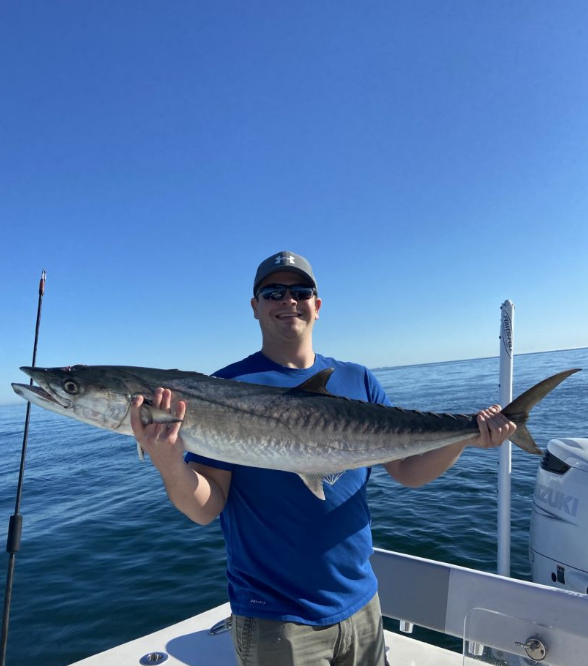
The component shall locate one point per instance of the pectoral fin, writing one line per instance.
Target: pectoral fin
(150, 414)
(314, 482)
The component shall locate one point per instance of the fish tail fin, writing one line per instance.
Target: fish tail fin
(524, 440)
(518, 410)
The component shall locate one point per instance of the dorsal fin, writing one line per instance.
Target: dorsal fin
(317, 383)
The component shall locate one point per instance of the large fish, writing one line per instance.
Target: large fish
(305, 430)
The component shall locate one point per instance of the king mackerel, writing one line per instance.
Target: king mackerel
(304, 430)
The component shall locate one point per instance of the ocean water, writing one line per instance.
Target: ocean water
(105, 558)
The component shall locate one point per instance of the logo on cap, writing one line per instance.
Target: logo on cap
(283, 258)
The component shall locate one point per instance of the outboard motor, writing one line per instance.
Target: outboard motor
(558, 546)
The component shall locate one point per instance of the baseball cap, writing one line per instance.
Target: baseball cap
(283, 261)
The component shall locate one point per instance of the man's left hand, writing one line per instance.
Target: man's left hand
(494, 427)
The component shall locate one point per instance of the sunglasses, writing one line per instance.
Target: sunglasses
(276, 292)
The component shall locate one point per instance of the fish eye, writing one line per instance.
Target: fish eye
(71, 387)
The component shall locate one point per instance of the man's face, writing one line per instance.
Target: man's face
(286, 319)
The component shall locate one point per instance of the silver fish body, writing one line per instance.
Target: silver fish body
(305, 430)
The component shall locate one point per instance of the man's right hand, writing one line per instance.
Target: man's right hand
(162, 442)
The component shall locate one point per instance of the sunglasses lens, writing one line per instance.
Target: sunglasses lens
(301, 293)
(275, 292)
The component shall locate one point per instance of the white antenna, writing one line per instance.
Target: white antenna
(504, 461)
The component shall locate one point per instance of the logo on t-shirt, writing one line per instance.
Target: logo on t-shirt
(333, 478)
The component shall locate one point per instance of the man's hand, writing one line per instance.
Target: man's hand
(494, 428)
(199, 493)
(161, 441)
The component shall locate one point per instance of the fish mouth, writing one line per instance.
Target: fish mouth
(38, 395)
(41, 394)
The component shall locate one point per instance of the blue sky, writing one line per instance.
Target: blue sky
(428, 157)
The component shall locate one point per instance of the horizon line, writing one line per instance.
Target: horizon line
(474, 358)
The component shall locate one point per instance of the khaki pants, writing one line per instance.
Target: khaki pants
(357, 641)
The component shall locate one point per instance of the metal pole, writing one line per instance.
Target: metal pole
(15, 525)
(504, 461)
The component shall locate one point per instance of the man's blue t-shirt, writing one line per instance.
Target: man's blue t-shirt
(291, 556)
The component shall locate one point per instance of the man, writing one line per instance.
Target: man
(300, 583)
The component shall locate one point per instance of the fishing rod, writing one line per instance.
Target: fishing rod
(15, 524)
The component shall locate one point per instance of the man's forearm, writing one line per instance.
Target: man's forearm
(194, 494)
(418, 470)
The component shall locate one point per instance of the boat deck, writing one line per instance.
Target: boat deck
(189, 643)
